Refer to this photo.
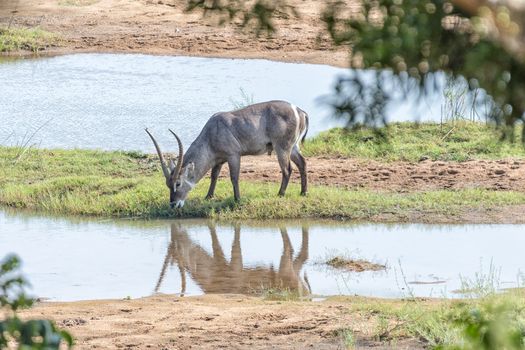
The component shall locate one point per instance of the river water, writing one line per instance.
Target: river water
(76, 259)
(104, 101)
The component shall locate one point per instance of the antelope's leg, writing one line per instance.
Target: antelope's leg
(215, 171)
(299, 160)
(286, 169)
(234, 164)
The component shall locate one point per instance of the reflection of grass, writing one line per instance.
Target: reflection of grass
(412, 142)
(31, 39)
(121, 184)
(482, 284)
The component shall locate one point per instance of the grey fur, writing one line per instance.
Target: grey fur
(227, 136)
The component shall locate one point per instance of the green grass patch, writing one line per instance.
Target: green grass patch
(31, 39)
(130, 184)
(459, 141)
(493, 322)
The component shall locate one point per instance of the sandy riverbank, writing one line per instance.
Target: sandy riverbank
(162, 27)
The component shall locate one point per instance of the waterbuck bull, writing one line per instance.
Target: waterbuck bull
(253, 130)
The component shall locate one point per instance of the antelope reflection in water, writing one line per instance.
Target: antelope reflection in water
(214, 274)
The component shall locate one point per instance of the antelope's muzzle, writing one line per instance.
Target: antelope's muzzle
(177, 204)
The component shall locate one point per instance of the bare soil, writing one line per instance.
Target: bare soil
(162, 27)
(402, 177)
(407, 177)
(213, 322)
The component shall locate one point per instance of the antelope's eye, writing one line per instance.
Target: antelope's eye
(177, 184)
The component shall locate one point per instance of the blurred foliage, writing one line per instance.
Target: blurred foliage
(27, 335)
(490, 326)
(257, 14)
(406, 48)
(408, 43)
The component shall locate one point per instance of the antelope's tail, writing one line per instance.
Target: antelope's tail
(307, 125)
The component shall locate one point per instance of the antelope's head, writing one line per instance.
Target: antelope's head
(179, 180)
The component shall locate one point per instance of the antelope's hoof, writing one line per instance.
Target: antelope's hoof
(304, 194)
(208, 197)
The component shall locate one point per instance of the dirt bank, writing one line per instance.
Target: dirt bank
(505, 174)
(406, 177)
(213, 322)
(162, 27)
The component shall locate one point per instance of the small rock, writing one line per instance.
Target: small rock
(71, 322)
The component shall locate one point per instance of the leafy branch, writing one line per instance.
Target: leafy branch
(258, 14)
(32, 334)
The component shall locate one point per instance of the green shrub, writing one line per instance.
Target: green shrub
(28, 335)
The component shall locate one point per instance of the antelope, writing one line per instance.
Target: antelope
(227, 136)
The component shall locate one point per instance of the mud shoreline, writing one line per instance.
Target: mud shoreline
(163, 28)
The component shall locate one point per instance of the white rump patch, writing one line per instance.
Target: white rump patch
(299, 132)
(295, 112)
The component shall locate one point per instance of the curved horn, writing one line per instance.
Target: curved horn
(162, 162)
(175, 174)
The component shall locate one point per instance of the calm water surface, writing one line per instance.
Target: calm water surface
(85, 259)
(105, 101)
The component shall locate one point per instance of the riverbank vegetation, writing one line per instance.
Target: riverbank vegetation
(130, 184)
(458, 141)
(119, 185)
(30, 39)
(491, 322)
(26, 334)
